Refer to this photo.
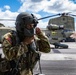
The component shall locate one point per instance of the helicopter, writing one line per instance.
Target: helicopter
(58, 29)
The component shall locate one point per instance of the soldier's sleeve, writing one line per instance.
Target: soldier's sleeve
(12, 52)
(44, 44)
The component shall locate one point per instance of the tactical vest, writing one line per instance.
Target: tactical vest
(32, 56)
(26, 61)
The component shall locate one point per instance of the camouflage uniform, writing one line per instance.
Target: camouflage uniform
(13, 52)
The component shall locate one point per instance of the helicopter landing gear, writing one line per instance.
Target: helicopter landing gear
(58, 45)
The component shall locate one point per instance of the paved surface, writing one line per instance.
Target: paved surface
(58, 61)
(57, 67)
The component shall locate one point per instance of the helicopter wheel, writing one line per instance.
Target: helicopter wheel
(58, 45)
(63, 46)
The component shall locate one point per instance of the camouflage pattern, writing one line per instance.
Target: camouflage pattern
(14, 52)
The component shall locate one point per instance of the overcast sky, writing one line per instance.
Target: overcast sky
(9, 9)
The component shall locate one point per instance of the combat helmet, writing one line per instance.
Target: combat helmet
(22, 20)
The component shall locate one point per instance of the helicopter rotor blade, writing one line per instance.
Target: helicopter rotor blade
(48, 16)
(42, 17)
(38, 19)
(73, 15)
(7, 20)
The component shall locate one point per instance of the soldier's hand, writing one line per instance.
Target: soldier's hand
(38, 30)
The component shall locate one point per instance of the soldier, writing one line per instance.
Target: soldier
(21, 47)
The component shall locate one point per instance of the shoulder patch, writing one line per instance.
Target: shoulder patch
(8, 37)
